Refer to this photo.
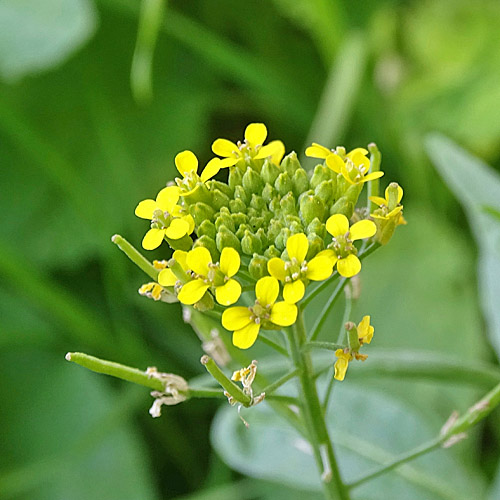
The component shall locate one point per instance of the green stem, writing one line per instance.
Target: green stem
(323, 315)
(346, 316)
(135, 256)
(333, 486)
(263, 337)
(322, 345)
(278, 383)
(319, 289)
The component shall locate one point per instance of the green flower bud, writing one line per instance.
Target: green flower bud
(241, 194)
(296, 227)
(353, 192)
(239, 219)
(283, 184)
(261, 234)
(293, 219)
(310, 208)
(325, 191)
(300, 181)
(222, 186)
(285, 233)
(250, 244)
(269, 172)
(209, 244)
(274, 229)
(256, 222)
(343, 206)
(237, 206)
(274, 205)
(290, 164)
(200, 212)
(321, 173)
(234, 178)
(258, 267)
(288, 204)
(219, 199)
(271, 252)
(316, 244)
(268, 193)
(225, 238)
(224, 219)
(241, 230)
(207, 228)
(252, 181)
(184, 243)
(258, 202)
(317, 227)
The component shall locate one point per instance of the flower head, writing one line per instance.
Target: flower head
(251, 148)
(296, 271)
(342, 250)
(389, 213)
(342, 363)
(245, 322)
(167, 218)
(218, 276)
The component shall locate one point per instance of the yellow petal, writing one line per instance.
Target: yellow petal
(363, 151)
(373, 175)
(177, 229)
(180, 256)
(192, 292)
(255, 134)
(228, 162)
(198, 260)
(365, 330)
(211, 169)
(229, 261)
(267, 290)
(229, 293)
(246, 337)
(379, 200)
(320, 268)
(363, 229)
(153, 239)
(294, 291)
(337, 225)
(186, 162)
(145, 209)
(279, 152)
(167, 198)
(225, 148)
(236, 318)
(359, 158)
(284, 314)
(276, 268)
(400, 193)
(297, 246)
(190, 222)
(167, 278)
(335, 162)
(349, 266)
(317, 151)
(273, 149)
(328, 253)
(341, 365)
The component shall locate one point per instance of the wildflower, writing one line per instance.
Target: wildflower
(167, 218)
(365, 331)
(152, 290)
(167, 276)
(245, 322)
(318, 151)
(342, 363)
(209, 275)
(342, 250)
(251, 148)
(389, 215)
(296, 271)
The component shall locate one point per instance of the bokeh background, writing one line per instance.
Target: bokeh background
(88, 128)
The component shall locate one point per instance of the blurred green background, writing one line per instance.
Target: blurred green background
(82, 141)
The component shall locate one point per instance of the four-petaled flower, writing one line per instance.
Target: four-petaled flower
(296, 271)
(212, 275)
(245, 322)
(342, 363)
(167, 276)
(342, 250)
(167, 218)
(251, 148)
(389, 207)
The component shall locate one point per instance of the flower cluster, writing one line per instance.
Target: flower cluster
(253, 241)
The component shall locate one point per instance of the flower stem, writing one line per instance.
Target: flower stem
(135, 256)
(278, 383)
(333, 486)
(322, 345)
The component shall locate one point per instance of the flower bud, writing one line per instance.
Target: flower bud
(252, 181)
(209, 244)
(206, 303)
(225, 238)
(353, 192)
(241, 194)
(300, 181)
(258, 202)
(295, 227)
(200, 212)
(224, 219)
(288, 204)
(239, 219)
(269, 172)
(222, 186)
(342, 206)
(290, 164)
(272, 252)
(250, 243)
(283, 184)
(219, 199)
(207, 228)
(237, 206)
(321, 173)
(268, 193)
(325, 192)
(317, 227)
(256, 222)
(261, 234)
(274, 205)
(258, 267)
(316, 244)
(185, 243)
(234, 178)
(241, 230)
(275, 228)
(282, 238)
(310, 208)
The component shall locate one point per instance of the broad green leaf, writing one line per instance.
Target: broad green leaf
(368, 428)
(38, 35)
(475, 185)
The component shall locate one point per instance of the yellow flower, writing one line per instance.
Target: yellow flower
(318, 151)
(166, 276)
(365, 331)
(389, 207)
(245, 322)
(296, 271)
(342, 363)
(168, 219)
(251, 148)
(209, 275)
(152, 290)
(342, 250)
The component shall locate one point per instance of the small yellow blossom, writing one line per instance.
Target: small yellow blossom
(152, 290)
(342, 250)
(212, 275)
(342, 363)
(245, 322)
(296, 271)
(389, 207)
(168, 219)
(365, 331)
(251, 148)
(166, 276)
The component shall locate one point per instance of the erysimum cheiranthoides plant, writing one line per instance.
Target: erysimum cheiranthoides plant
(247, 255)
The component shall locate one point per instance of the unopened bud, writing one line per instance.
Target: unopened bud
(241, 230)
(275, 228)
(288, 204)
(250, 244)
(325, 192)
(321, 173)
(209, 244)
(317, 227)
(234, 178)
(252, 181)
(268, 193)
(261, 234)
(225, 238)
(316, 244)
(219, 199)
(283, 184)
(300, 181)
(258, 267)
(353, 192)
(207, 228)
(282, 238)
(239, 219)
(269, 172)
(290, 164)
(237, 206)
(200, 212)
(241, 194)
(342, 206)
(272, 252)
(224, 219)
(258, 202)
(392, 191)
(311, 207)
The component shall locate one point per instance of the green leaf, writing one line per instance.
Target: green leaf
(475, 185)
(36, 36)
(368, 428)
